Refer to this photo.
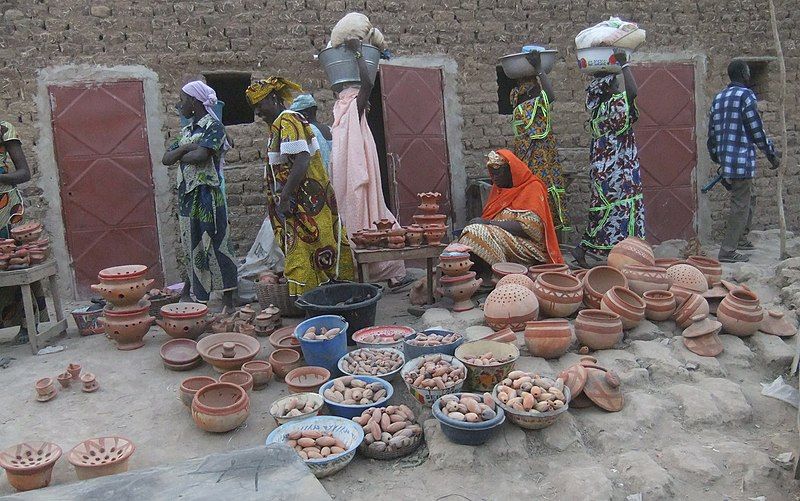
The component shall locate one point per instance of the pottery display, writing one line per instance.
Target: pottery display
(591, 384)
(549, 338)
(45, 389)
(701, 336)
(307, 379)
(29, 466)
(499, 270)
(189, 387)
(90, 384)
(625, 303)
(414, 235)
(227, 351)
(64, 379)
(775, 323)
(180, 354)
(283, 361)
(598, 329)
(241, 378)
(455, 264)
(516, 278)
(632, 250)
(460, 289)
(559, 294)
(659, 305)
(510, 306)
(536, 270)
(684, 280)
(710, 268)
(695, 305)
(98, 457)
(220, 407)
(598, 281)
(123, 286)
(260, 370)
(434, 233)
(740, 313)
(646, 278)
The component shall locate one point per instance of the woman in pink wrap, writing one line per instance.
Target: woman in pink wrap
(355, 170)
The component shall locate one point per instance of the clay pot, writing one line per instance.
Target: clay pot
(428, 221)
(455, 265)
(695, 305)
(632, 250)
(646, 278)
(598, 281)
(535, 271)
(625, 303)
(64, 379)
(775, 323)
(460, 290)
(260, 370)
(220, 407)
(548, 338)
(434, 233)
(74, 370)
(29, 466)
(307, 379)
(45, 389)
(740, 313)
(516, 278)
(597, 329)
(384, 224)
(283, 361)
(414, 235)
(189, 387)
(98, 457)
(90, 384)
(127, 330)
(701, 337)
(499, 270)
(659, 305)
(559, 294)
(242, 378)
(510, 306)
(227, 351)
(711, 268)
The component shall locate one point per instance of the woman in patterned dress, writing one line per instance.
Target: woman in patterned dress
(617, 209)
(301, 202)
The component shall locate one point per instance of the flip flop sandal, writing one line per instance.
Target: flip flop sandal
(734, 258)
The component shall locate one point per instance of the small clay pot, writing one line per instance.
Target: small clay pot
(189, 387)
(536, 270)
(693, 306)
(632, 250)
(74, 371)
(598, 329)
(559, 294)
(220, 407)
(642, 279)
(435, 233)
(740, 313)
(260, 370)
(64, 379)
(510, 306)
(307, 379)
(242, 378)
(598, 281)
(659, 305)
(29, 466)
(548, 338)
(283, 361)
(625, 303)
(460, 289)
(711, 268)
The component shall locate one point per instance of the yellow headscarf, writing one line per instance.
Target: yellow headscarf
(282, 86)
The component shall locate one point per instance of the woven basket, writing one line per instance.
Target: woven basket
(277, 294)
(156, 304)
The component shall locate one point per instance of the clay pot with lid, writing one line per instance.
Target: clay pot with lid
(740, 313)
(625, 303)
(460, 289)
(220, 407)
(695, 305)
(455, 264)
(283, 361)
(189, 387)
(549, 338)
(414, 235)
(29, 465)
(510, 306)
(559, 294)
(598, 329)
(701, 336)
(598, 281)
(711, 268)
(536, 270)
(632, 250)
(242, 378)
(658, 305)
(646, 278)
(516, 278)
(98, 457)
(434, 233)
(775, 323)
(260, 370)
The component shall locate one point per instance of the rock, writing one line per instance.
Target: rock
(773, 350)
(437, 317)
(736, 353)
(709, 366)
(645, 331)
(711, 401)
(658, 360)
(639, 473)
(477, 332)
(693, 462)
(13, 15)
(442, 451)
(562, 434)
(585, 483)
(101, 11)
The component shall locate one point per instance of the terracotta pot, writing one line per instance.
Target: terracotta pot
(740, 313)
(625, 303)
(30, 465)
(64, 379)
(434, 233)
(74, 370)
(632, 250)
(535, 271)
(516, 278)
(123, 292)
(455, 265)
(659, 305)
(260, 370)
(559, 294)
(701, 337)
(598, 281)
(646, 278)
(597, 329)
(460, 290)
(98, 457)
(499, 270)
(775, 323)
(384, 224)
(685, 277)
(428, 221)
(128, 333)
(220, 407)
(283, 361)
(414, 235)
(510, 306)
(189, 387)
(307, 379)
(242, 378)
(695, 305)
(548, 338)
(90, 383)
(227, 351)
(711, 268)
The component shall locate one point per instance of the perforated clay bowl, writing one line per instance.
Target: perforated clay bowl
(533, 420)
(427, 396)
(277, 406)
(384, 336)
(98, 457)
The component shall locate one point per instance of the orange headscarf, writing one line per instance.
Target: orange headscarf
(527, 193)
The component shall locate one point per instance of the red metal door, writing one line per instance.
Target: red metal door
(105, 177)
(665, 135)
(416, 139)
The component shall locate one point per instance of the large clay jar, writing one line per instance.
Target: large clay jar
(559, 294)
(220, 407)
(711, 268)
(659, 305)
(460, 290)
(597, 329)
(686, 279)
(548, 338)
(632, 250)
(455, 264)
(535, 271)
(123, 286)
(625, 303)
(646, 278)
(516, 278)
(695, 305)
(740, 313)
(598, 281)
(510, 306)
(30, 465)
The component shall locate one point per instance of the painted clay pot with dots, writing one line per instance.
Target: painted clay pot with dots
(510, 306)
(598, 281)
(710, 268)
(98, 457)
(658, 305)
(632, 250)
(701, 337)
(549, 338)
(460, 290)
(695, 305)
(646, 278)
(516, 278)
(740, 313)
(29, 465)
(598, 329)
(559, 294)
(455, 264)
(625, 303)
(535, 271)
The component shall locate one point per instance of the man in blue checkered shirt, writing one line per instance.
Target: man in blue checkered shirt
(734, 131)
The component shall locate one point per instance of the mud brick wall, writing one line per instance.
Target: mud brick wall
(180, 39)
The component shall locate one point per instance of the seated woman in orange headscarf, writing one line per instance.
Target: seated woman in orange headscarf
(516, 225)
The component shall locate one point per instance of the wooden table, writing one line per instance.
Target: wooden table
(38, 333)
(428, 252)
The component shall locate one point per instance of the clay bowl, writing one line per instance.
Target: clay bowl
(283, 361)
(598, 330)
(30, 465)
(241, 378)
(548, 338)
(98, 457)
(189, 387)
(284, 338)
(559, 294)
(260, 370)
(517, 279)
(536, 270)
(485, 377)
(220, 407)
(184, 310)
(598, 281)
(500, 270)
(177, 354)
(278, 408)
(659, 305)
(227, 351)
(307, 379)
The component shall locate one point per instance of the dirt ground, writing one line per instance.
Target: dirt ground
(692, 427)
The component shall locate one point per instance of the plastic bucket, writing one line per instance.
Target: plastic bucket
(324, 353)
(356, 303)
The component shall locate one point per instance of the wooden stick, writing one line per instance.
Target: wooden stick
(782, 117)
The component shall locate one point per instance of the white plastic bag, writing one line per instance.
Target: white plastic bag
(612, 33)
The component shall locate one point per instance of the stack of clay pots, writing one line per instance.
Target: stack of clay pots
(457, 282)
(433, 224)
(127, 316)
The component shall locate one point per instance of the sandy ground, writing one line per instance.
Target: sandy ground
(692, 427)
